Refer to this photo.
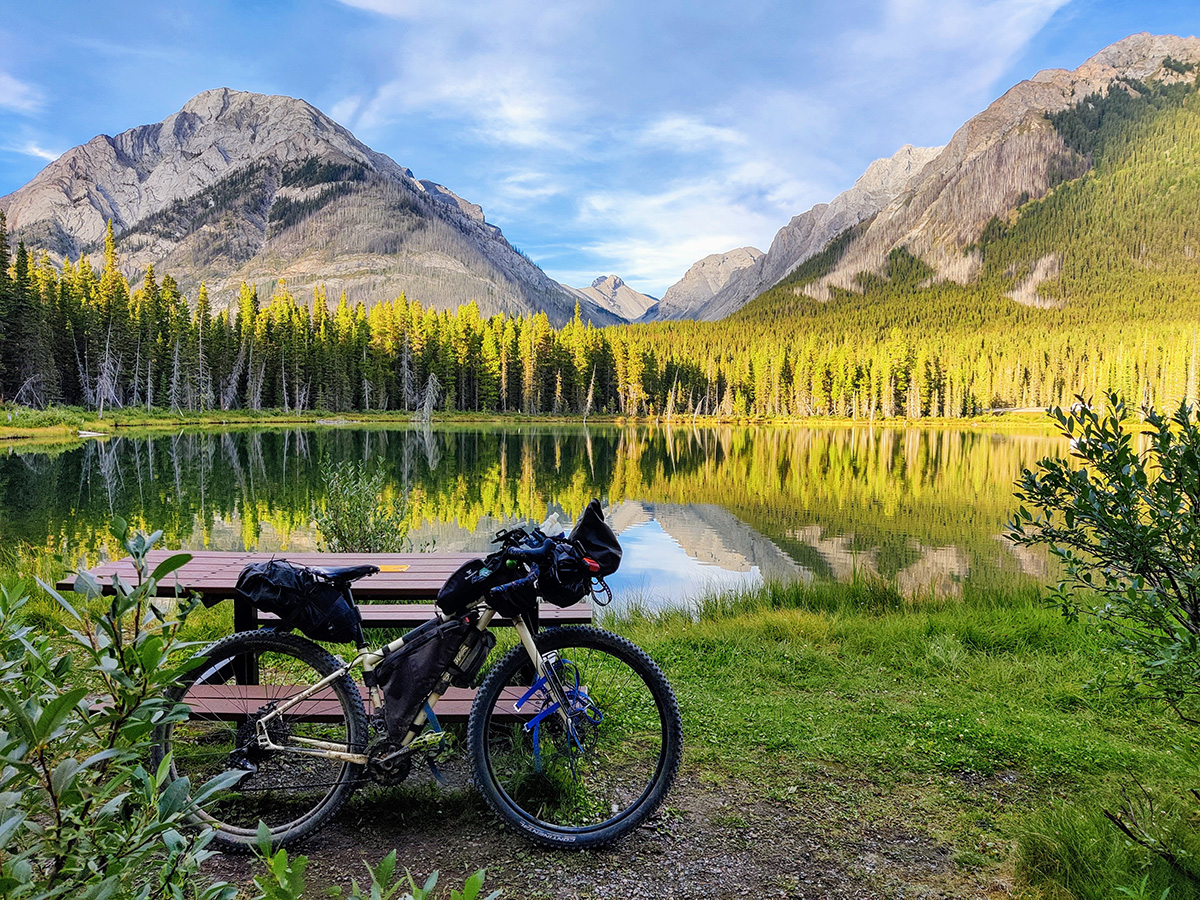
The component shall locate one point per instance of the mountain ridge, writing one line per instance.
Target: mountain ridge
(238, 186)
(938, 204)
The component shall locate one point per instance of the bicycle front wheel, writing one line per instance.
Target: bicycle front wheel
(595, 777)
(291, 789)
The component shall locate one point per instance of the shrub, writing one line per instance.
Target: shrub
(355, 518)
(80, 815)
(1126, 527)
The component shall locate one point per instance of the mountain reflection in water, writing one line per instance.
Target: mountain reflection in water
(697, 508)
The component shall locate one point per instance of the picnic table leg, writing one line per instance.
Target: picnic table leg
(245, 618)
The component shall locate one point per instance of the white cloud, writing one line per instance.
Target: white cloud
(567, 100)
(651, 239)
(688, 133)
(498, 65)
(18, 95)
(955, 48)
(397, 9)
(343, 111)
(30, 148)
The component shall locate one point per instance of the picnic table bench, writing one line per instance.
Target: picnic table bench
(399, 596)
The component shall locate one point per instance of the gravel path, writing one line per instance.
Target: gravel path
(708, 842)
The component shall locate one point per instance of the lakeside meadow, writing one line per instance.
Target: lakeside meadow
(853, 644)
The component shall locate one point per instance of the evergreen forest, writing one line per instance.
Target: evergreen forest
(1122, 313)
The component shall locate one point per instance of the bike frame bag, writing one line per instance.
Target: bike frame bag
(302, 600)
(408, 674)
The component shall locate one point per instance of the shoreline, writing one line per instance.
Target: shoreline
(76, 426)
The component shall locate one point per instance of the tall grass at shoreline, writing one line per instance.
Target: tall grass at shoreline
(977, 718)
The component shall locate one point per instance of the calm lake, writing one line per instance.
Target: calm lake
(696, 508)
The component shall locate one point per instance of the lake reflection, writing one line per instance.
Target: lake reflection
(697, 508)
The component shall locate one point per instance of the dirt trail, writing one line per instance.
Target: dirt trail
(708, 842)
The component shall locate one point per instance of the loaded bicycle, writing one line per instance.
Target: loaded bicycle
(574, 736)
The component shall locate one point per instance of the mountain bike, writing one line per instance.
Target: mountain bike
(574, 736)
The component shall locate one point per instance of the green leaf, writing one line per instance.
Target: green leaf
(9, 825)
(56, 712)
(170, 564)
(174, 799)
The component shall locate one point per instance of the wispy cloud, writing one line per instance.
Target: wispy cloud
(30, 148)
(688, 133)
(17, 95)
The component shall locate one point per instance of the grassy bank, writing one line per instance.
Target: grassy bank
(64, 423)
(971, 719)
(969, 722)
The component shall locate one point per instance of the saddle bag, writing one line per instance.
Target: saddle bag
(302, 600)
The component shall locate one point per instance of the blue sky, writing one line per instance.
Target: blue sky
(603, 137)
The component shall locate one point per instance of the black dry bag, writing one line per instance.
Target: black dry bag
(597, 541)
(302, 600)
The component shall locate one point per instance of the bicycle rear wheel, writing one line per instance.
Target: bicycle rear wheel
(589, 783)
(239, 680)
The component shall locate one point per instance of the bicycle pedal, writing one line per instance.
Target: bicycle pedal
(426, 740)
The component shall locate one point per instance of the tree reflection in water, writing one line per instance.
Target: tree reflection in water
(922, 506)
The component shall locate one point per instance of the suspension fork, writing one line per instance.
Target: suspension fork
(545, 667)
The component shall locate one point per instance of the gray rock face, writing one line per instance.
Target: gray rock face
(935, 201)
(804, 236)
(1007, 153)
(239, 187)
(612, 294)
(702, 282)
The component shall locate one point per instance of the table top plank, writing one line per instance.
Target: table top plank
(386, 599)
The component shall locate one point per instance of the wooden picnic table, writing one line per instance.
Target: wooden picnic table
(399, 596)
(390, 599)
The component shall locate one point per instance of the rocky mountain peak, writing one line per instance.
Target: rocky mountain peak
(610, 292)
(1005, 155)
(744, 276)
(703, 281)
(242, 186)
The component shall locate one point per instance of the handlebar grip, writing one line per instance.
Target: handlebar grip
(531, 554)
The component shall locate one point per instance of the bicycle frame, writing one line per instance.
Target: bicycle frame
(367, 660)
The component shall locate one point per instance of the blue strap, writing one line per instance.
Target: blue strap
(431, 718)
(577, 700)
(436, 726)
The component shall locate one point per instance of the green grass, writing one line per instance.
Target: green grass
(973, 717)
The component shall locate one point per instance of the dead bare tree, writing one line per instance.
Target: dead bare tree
(591, 395)
(255, 386)
(229, 386)
(432, 397)
(31, 393)
(109, 378)
(175, 396)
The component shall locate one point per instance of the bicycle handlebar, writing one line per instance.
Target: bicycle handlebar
(531, 554)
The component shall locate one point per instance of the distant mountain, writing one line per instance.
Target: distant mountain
(702, 282)
(1010, 153)
(937, 204)
(246, 187)
(612, 294)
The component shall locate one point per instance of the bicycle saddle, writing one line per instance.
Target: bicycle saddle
(344, 574)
